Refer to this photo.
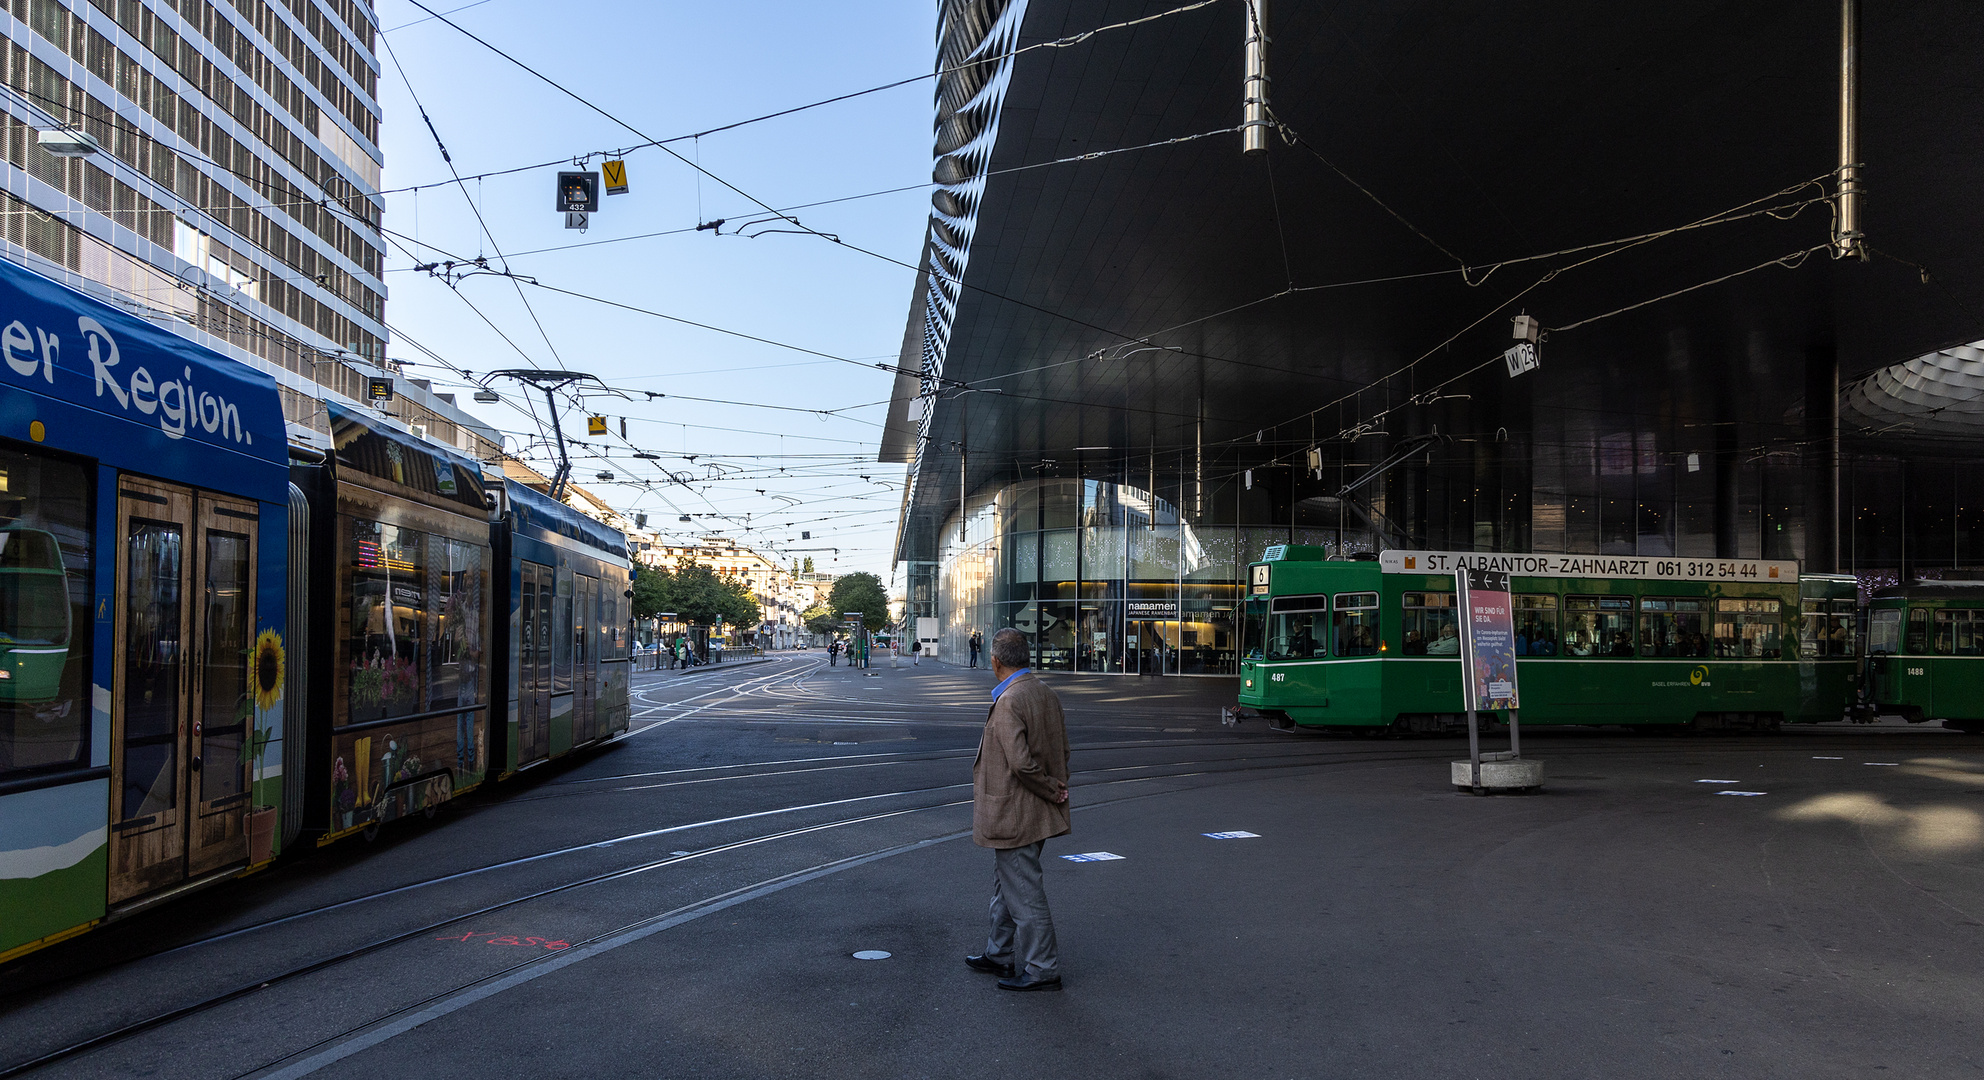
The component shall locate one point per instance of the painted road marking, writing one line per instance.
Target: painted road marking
(1880, 763)
(1821, 757)
(1236, 834)
(1718, 781)
(1729, 792)
(1093, 856)
(871, 954)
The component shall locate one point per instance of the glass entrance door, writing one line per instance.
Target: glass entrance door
(1153, 647)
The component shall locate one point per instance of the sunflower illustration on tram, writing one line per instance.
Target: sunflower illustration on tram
(269, 665)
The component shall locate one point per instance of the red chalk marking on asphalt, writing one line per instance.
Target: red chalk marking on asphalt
(491, 937)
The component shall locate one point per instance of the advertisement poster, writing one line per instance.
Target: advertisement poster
(1488, 639)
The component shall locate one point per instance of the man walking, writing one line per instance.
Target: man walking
(1019, 799)
(833, 652)
(977, 643)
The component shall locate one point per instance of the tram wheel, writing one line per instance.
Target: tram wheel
(371, 832)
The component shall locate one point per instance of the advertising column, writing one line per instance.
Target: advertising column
(1488, 657)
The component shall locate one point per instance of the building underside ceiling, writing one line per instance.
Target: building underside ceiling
(1188, 309)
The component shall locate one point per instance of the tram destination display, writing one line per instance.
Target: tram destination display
(1588, 566)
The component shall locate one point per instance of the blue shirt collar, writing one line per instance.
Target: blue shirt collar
(1007, 681)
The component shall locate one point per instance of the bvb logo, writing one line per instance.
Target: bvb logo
(1696, 676)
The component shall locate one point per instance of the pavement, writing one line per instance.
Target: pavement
(688, 902)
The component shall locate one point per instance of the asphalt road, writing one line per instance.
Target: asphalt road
(687, 902)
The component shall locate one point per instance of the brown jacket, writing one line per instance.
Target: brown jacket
(1022, 764)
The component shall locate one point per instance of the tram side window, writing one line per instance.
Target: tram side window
(1959, 632)
(1917, 643)
(1840, 627)
(1748, 628)
(1432, 625)
(45, 587)
(1295, 627)
(455, 586)
(1355, 630)
(1536, 624)
(1824, 629)
(1673, 627)
(388, 590)
(1598, 626)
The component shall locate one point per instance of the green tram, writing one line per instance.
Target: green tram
(1925, 653)
(1371, 644)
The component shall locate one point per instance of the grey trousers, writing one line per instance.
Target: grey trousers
(1022, 927)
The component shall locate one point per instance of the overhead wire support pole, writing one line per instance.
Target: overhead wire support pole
(1849, 240)
(1254, 100)
(547, 382)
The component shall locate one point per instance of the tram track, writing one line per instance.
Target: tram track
(1194, 769)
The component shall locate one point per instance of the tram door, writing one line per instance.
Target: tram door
(585, 659)
(182, 710)
(534, 665)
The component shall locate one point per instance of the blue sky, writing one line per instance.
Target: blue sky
(669, 69)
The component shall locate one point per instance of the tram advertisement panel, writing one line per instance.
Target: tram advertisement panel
(1489, 639)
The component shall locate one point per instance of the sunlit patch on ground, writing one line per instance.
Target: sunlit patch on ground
(1930, 830)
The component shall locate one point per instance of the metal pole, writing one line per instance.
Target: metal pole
(1515, 735)
(1254, 100)
(1466, 665)
(1848, 239)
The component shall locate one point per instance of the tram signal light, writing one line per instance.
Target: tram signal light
(578, 192)
(595, 425)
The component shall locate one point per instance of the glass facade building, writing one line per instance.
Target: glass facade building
(232, 191)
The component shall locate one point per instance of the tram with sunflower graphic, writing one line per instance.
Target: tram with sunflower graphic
(1371, 645)
(218, 644)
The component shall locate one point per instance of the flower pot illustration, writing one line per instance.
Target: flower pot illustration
(261, 835)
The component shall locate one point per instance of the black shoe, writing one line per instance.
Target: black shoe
(988, 966)
(1030, 983)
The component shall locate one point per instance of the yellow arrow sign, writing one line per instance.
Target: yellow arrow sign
(615, 173)
(595, 425)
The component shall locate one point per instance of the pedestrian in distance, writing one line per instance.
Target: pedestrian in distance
(1019, 800)
(915, 652)
(977, 643)
(833, 652)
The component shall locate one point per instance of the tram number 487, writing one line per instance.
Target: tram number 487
(1279, 676)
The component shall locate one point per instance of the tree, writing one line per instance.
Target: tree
(861, 592)
(820, 619)
(651, 587)
(795, 566)
(809, 564)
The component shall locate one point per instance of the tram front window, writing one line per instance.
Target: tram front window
(1296, 628)
(1748, 629)
(1432, 626)
(1884, 631)
(1253, 629)
(1355, 629)
(1674, 627)
(1598, 626)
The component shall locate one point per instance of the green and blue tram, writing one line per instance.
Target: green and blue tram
(1372, 644)
(1925, 653)
(143, 610)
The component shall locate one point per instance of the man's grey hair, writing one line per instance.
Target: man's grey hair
(1010, 649)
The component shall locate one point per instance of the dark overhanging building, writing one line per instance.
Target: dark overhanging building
(1124, 375)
